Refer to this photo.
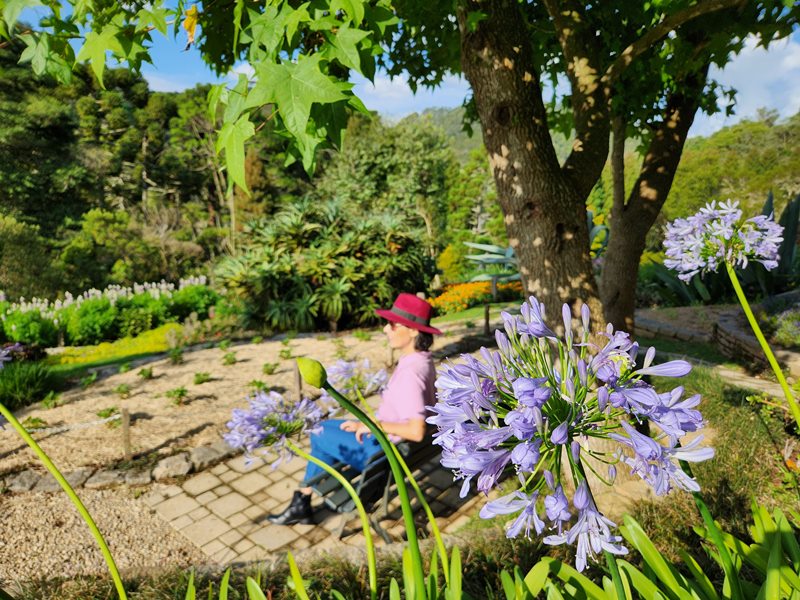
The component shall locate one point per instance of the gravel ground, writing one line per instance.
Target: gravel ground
(43, 534)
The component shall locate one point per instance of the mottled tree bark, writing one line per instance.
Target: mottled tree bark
(543, 203)
(632, 219)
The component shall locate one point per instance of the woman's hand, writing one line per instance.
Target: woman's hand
(356, 427)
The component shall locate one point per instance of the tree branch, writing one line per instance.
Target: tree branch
(655, 34)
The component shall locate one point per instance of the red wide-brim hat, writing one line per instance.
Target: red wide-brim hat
(410, 311)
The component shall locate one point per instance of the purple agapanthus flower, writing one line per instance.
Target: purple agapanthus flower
(531, 408)
(717, 235)
(269, 421)
(353, 377)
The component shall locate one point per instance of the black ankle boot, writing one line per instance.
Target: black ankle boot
(298, 511)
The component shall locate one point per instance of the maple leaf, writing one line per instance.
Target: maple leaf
(190, 24)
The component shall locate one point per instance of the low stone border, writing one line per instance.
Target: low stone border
(171, 467)
(650, 327)
(737, 342)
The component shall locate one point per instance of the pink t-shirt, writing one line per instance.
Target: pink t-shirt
(409, 391)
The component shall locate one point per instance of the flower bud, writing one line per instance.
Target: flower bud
(312, 372)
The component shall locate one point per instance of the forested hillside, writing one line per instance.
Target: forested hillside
(122, 185)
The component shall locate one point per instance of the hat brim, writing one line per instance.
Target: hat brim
(395, 318)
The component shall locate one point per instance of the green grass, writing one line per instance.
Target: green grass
(747, 465)
(476, 312)
(74, 362)
(706, 352)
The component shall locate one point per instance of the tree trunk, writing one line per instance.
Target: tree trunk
(544, 205)
(631, 221)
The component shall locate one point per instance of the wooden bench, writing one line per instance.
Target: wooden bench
(373, 484)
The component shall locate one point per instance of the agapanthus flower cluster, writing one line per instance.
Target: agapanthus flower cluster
(263, 429)
(530, 409)
(354, 377)
(717, 235)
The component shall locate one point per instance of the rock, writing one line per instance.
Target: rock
(22, 482)
(205, 456)
(173, 466)
(103, 479)
(77, 478)
(138, 477)
(224, 450)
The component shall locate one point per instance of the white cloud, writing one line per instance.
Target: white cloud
(393, 98)
(763, 79)
(240, 69)
(162, 83)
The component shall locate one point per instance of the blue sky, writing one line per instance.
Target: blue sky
(762, 78)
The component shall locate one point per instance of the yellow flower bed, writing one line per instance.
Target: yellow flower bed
(462, 296)
(150, 342)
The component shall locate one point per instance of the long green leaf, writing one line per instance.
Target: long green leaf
(454, 585)
(508, 585)
(408, 574)
(645, 587)
(634, 533)
(191, 593)
(788, 538)
(568, 575)
(772, 583)
(394, 590)
(254, 591)
(299, 586)
(223, 586)
(700, 578)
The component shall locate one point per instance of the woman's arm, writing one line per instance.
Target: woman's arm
(412, 430)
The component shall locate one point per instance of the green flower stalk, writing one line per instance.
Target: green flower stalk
(112, 567)
(717, 235)
(314, 374)
(362, 513)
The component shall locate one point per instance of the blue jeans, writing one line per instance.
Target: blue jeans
(332, 445)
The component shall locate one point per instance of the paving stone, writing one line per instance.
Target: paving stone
(456, 524)
(213, 547)
(254, 553)
(231, 538)
(229, 475)
(206, 529)
(219, 469)
(48, 483)
(441, 479)
(172, 466)
(172, 490)
(182, 521)
(200, 483)
(259, 498)
(283, 491)
(203, 457)
(254, 512)
(138, 477)
(224, 556)
(22, 482)
(229, 505)
(238, 519)
(238, 464)
(199, 513)
(222, 490)
(250, 484)
(301, 544)
(273, 537)
(243, 546)
(207, 497)
(103, 479)
(153, 498)
(176, 506)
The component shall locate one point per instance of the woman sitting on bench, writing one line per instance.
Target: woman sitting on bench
(401, 413)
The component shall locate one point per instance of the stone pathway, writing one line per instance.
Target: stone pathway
(223, 510)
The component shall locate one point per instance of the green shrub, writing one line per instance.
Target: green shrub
(192, 299)
(140, 313)
(257, 339)
(146, 373)
(30, 327)
(88, 380)
(124, 367)
(177, 395)
(123, 390)
(201, 378)
(224, 345)
(269, 368)
(176, 356)
(258, 386)
(23, 383)
(92, 322)
(229, 359)
(285, 354)
(362, 335)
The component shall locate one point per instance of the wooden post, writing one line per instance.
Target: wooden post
(486, 319)
(126, 434)
(298, 381)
